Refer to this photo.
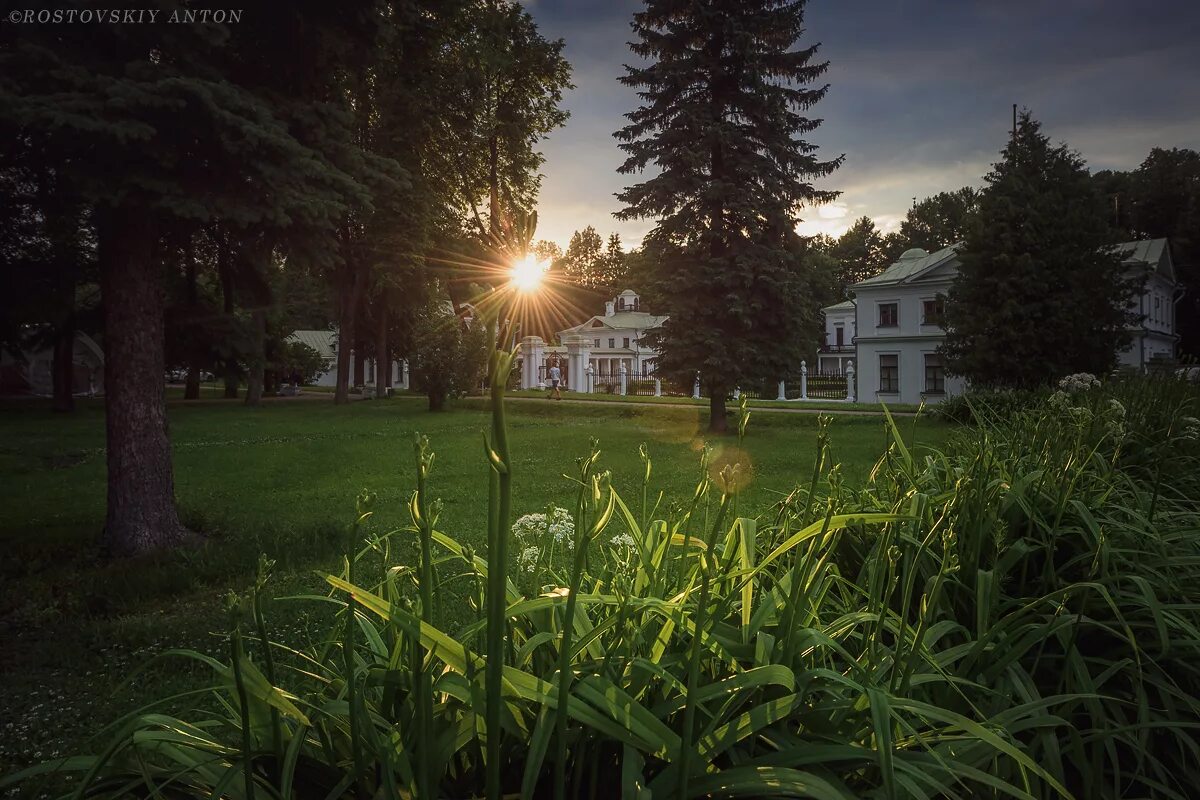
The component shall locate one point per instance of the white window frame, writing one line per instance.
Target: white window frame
(879, 314)
(879, 371)
(931, 299)
(924, 366)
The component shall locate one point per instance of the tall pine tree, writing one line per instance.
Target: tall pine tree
(1041, 292)
(726, 92)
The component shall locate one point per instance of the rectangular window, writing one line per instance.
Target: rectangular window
(612, 344)
(889, 373)
(935, 374)
(597, 345)
(841, 335)
(889, 315)
(626, 345)
(932, 311)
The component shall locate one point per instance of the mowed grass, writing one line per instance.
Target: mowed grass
(282, 480)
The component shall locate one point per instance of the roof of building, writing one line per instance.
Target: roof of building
(912, 263)
(916, 262)
(637, 320)
(324, 342)
(845, 305)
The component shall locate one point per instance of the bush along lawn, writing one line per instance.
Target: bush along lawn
(1014, 615)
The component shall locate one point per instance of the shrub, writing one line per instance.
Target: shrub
(1013, 616)
(967, 408)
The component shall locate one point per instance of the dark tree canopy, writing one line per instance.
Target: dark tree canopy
(1161, 198)
(940, 221)
(725, 91)
(1041, 292)
(859, 253)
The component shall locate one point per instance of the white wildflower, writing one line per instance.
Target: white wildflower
(1190, 428)
(1059, 401)
(529, 557)
(623, 540)
(1079, 382)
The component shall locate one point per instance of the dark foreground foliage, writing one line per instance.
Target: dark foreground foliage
(1013, 616)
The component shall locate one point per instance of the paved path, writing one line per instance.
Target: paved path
(798, 409)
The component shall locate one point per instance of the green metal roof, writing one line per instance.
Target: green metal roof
(845, 305)
(638, 320)
(1148, 251)
(321, 341)
(913, 263)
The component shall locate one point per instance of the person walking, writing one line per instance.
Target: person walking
(555, 380)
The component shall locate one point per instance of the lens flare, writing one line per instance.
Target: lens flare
(527, 274)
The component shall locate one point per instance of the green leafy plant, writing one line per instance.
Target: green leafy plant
(1014, 616)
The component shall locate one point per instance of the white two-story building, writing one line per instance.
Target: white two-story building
(840, 328)
(599, 347)
(897, 322)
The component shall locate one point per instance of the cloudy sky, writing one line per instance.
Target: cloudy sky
(920, 100)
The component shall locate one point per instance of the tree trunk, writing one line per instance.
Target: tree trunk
(383, 363)
(64, 364)
(718, 419)
(141, 513)
(225, 270)
(347, 321)
(360, 363)
(258, 360)
(191, 389)
(494, 187)
(437, 400)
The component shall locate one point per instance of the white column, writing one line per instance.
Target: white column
(782, 394)
(532, 348)
(737, 392)
(803, 381)
(624, 380)
(403, 375)
(591, 380)
(850, 387)
(696, 388)
(657, 387)
(578, 351)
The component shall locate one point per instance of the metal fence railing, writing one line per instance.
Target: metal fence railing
(826, 386)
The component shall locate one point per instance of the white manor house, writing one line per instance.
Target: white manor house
(891, 329)
(880, 346)
(600, 352)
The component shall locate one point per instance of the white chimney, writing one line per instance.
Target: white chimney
(609, 308)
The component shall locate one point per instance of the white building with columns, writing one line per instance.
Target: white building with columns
(597, 350)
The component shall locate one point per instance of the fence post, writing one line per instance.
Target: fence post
(590, 379)
(803, 381)
(658, 387)
(850, 381)
(737, 392)
(624, 373)
(696, 388)
(782, 392)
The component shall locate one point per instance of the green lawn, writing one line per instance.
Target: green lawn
(282, 480)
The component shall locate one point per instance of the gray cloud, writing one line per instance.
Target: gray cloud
(921, 94)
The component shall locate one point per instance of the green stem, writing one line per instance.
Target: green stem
(693, 677)
(499, 513)
(424, 680)
(235, 647)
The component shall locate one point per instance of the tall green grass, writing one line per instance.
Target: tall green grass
(1013, 616)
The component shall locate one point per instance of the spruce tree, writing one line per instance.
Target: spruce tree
(726, 91)
(1041, 292)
